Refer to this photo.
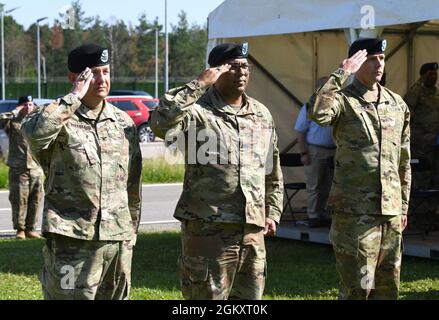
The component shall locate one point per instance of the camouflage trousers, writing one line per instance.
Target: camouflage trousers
(25, 195)
(86, 270)
(222, 261)
(368, 253)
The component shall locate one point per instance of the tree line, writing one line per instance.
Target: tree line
(132, 48)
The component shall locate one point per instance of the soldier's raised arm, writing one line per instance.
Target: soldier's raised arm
(325, 106)
(174, 109)
(43, 126)
(5, 118)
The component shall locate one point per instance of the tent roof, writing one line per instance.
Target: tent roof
(245, 18)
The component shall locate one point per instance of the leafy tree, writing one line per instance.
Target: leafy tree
(142, 47)
(187, 48)
(18, 50)
(132, 47)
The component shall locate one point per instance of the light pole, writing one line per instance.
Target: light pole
(166, 48)
(156, 60)
(38, 56)
(43, 58)
(3, 49)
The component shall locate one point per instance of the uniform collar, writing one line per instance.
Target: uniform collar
(361, 90)
(107, 112)
(214, 100)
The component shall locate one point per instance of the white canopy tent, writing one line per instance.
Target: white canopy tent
(292, 43)
(297, 42)
(250, 18)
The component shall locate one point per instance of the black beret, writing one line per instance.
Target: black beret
(427, 67)
(372, 45)
(24, 99)
(226, 51)
(88, 55)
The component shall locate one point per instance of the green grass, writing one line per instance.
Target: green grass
(154, 171)
(159, 171)
(296, 270)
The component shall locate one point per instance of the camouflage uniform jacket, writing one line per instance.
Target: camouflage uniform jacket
(424, 108)
(242, 182)
(20, 156)
(372, 162)
(93, 170)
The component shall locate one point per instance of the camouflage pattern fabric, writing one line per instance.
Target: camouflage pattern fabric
(424, 107)
(372, 161)
(371, 187)
(86, 270)
(25, 195)
(20, 155)
(242, 180)
(25, 175)
(368, 251)
(222, 261)
(93, 169)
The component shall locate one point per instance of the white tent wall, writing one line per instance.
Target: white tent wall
(426, 49)
(396, 67)
(249, 18)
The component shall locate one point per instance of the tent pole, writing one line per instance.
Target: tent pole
(410, 64)
(409, 36)
(315, 60)
(275, 81)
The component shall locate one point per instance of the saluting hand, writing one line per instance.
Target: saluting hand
(352, 64)
(82, 82)
(209, 76)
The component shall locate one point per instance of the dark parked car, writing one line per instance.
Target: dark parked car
(139, 109)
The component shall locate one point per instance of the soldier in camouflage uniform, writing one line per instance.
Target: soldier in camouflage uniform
(423, 101)
(90, 153)
(232, 194)
(25, 175)
(371, 187)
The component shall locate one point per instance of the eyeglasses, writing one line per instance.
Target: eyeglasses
(236, 66)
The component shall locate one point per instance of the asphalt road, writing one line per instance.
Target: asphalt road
(158, 204)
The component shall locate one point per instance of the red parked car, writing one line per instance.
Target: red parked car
(139, 109)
